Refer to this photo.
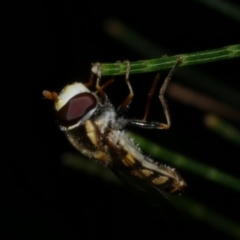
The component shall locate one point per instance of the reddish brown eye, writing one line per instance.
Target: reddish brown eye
(76, 108)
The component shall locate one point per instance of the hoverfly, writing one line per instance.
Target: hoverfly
(95, 128)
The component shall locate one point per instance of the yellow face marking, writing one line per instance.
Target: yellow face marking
(147, 172)
(129, 160)
(160, 180)
(91, 132)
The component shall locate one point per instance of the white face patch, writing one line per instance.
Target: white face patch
(68, 92)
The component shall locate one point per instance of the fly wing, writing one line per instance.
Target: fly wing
(132, 172)
(146, 190)
(133, 177)
(129, 163)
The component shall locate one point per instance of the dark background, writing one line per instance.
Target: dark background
(51, 45)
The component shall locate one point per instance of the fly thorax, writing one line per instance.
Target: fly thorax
(105, 119)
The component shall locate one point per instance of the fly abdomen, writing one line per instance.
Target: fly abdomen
(166, 183)
(146, 170)
(171, 181)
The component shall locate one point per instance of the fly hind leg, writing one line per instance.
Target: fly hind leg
(157, 125)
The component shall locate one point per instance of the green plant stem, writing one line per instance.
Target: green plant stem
(223, 128)
(152, 65)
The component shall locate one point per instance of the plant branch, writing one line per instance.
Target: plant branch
(153, 65)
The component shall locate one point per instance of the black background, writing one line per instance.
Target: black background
(51, 45)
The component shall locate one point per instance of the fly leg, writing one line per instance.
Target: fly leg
(126, 103)
(90, 82)
(157, 125)
(97, 69)
(149, 99)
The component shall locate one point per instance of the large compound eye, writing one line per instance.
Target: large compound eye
(77, 108)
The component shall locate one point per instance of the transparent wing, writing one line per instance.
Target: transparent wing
(132, 174)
